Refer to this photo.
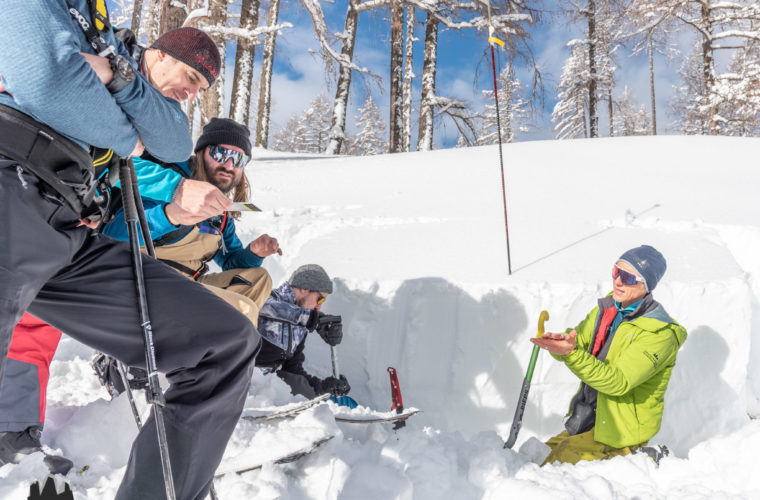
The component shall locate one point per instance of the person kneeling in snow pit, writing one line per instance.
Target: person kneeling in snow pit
(623, 352)
(290, 313)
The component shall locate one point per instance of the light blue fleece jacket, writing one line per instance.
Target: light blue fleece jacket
(47, 78)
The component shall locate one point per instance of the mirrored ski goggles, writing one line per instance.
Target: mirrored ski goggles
(626, 278)
(222, 154)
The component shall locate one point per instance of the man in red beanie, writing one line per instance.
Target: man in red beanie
(180, 56)
(180, 64)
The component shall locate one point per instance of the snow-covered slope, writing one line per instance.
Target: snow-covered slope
(416, 243)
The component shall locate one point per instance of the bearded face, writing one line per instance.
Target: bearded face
(224, 176)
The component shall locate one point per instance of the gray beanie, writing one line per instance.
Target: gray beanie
(648, 262)
(311, 277)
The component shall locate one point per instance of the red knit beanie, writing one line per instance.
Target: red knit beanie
(194, 48)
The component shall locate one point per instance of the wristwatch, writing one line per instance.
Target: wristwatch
(123, 74)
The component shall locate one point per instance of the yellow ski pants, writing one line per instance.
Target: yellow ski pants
(573, 449)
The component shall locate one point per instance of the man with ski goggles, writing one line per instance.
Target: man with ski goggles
(189, 240)
(623, 353)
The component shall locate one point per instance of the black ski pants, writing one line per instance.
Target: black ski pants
(84, 285)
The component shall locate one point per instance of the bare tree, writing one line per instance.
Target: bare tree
(427, 101)
(396, 80)
(651, 30)
(509, 21)
(344, 59)
(244, 54)
(265, 87)
(173, 14)
(340, 105)
(136, 14)
(212, 101)
(154, 21)
(720, 26)
(593, 117)
(406, 109)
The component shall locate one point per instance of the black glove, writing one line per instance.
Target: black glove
(334, 386)
(313, 321)
(330, 328)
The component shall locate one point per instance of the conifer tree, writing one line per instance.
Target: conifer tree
(514, 112)
(631, 118)
(369, 140)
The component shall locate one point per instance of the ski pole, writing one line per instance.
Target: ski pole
(521, 402)
(148, 242)
(155, 397)
(334, 356)
(130, 397)
(147, 238)
(145, 230)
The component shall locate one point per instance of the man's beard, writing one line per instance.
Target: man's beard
(219, 183)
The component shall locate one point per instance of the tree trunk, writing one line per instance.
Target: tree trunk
(265, 87)
(173, 14)
(244, 54)
(212, 100)
(609, 110)
(592, 97)
(136, 13)
(427, 100)
(708, 69)
(651, 83)
(154, 20)
(508, 135)
(397, 68)
(406, 116)
(340, 105)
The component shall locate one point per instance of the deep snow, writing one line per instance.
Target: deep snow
(416, 244)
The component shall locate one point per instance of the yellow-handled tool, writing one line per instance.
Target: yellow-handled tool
(522, 401)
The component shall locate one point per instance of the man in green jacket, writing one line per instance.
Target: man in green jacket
(623, 352)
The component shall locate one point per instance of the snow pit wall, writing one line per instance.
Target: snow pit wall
(461, 355)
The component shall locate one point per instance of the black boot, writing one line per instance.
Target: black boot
(107, 370)
(16, 445)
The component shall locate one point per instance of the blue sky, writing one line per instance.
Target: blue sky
(299, 75)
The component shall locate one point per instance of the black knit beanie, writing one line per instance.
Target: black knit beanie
(225, 131)
(194, 48)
